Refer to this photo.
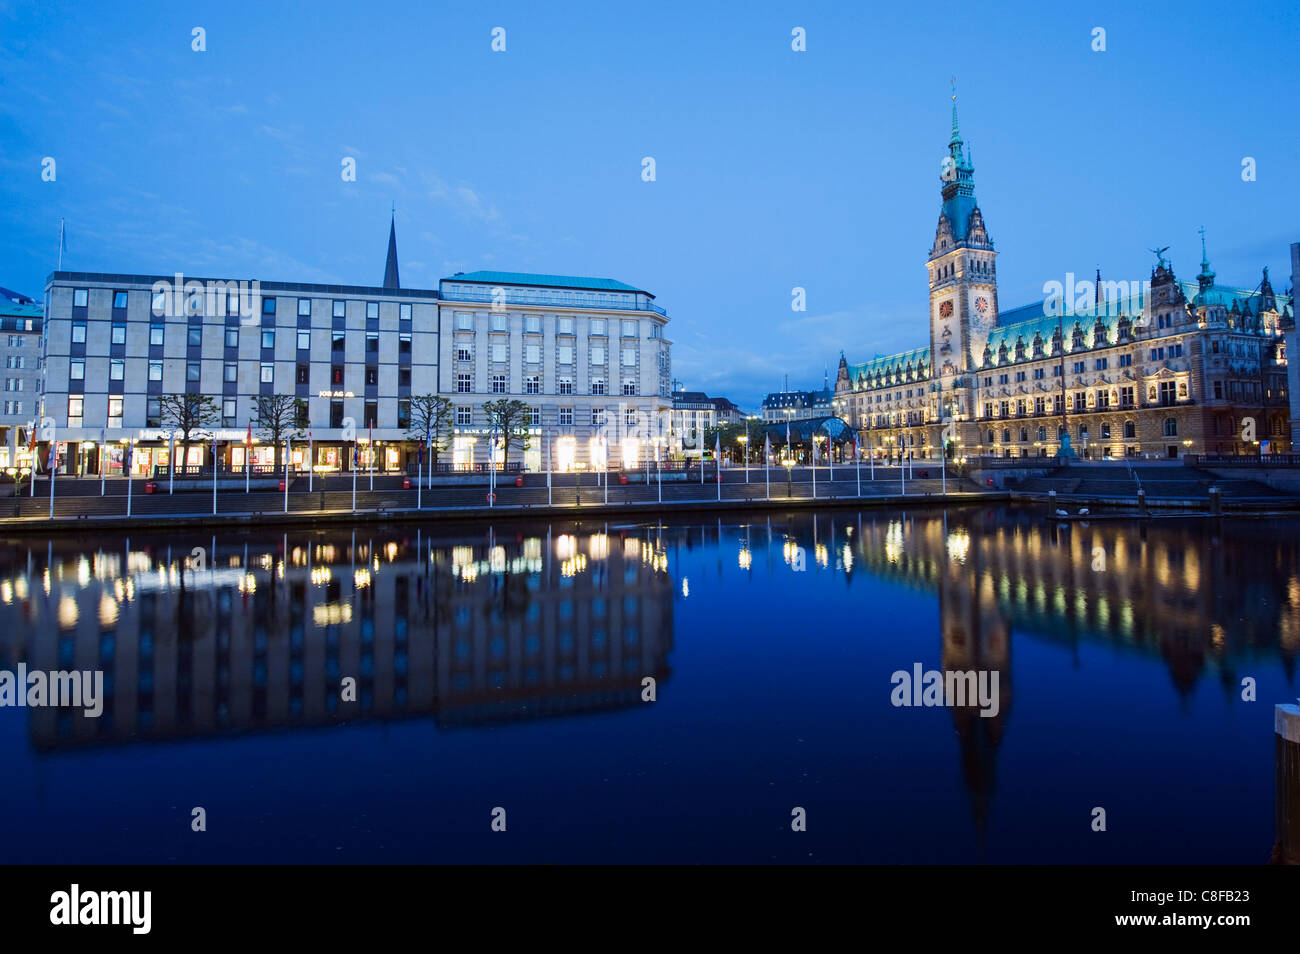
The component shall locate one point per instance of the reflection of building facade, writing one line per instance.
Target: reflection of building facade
(468, 633)
(1124, 371)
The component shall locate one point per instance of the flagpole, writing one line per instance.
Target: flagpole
(871, 458)
(214, 476)
(61, 242)
(126, 468)
(103, 459)
(288, 451)
(356, 459)
(171, 462)
(746, 450)
(54, 469)
(248, 455)
(546, 438)
(310, 457)
(31, 444)
(767, 465)
(717, 462)
(857, 460)
(813, 439)
(605, 442)
(370, 446)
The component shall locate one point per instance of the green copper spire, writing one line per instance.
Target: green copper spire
(1206, 278)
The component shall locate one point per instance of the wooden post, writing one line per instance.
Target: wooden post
(1286, 726)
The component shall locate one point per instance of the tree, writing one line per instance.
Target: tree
(278, 416)
(511, 418)
(431, 415)
(188, 413)
(729, 435)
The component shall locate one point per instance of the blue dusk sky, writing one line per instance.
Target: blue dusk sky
(774, 168)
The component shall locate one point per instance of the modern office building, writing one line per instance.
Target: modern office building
(1125, 369)
(20, 337)
(579, 351)
(693, 413)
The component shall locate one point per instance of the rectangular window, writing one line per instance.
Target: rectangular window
(498, 321)
(340, 309)
(230, 372)
(629, 388)
(498, 351)
(336, 375)
(597, 417)
(598, 354)
(566, 385)
(115, 412)
(372, 309)
(598, 326)
(404, 344)
(532, 324)
(566, 415)
(465, 321)
(304, 307)
(404, 311)
(191, 372)
(372, 377)
(78, 332)
(404, 413)
(532, 353)
(464, 384)
(1125, 360)
(372, 342)
(337, 340)
(498, 384)
(533, 384)
(597, 385)
(629, 328)
(268, 338)
(153, 412)
(268, 306)
(371, 415)
(564, 326)
(116, 369)
(303, 373)
(155, 335)
(232, 337)
(404, 377)
(268, 373)
(77, 370)
(229, 407)
(336, 414)
(79, 297)
(629, 357)
(464, 415)
(196, 336)
(304, 340)
(630, 417)
(155, 370)
(75, 406)
(535, 416)
(119, 334)
(464, 353)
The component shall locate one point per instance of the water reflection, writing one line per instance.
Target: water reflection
(257, 632)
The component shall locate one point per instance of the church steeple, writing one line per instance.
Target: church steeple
(960, 215)
(390, 266)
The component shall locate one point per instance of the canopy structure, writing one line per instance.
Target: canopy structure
(802, 431)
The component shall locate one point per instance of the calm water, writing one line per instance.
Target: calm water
(503, 667)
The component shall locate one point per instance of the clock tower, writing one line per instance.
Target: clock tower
(963, 285)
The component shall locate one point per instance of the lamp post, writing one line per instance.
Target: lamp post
(789, 479)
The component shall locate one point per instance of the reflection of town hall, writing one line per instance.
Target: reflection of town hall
(1131, 369)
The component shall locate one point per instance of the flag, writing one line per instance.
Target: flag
(767, 448)
(356, 453)
(370, 444)
(126, 457)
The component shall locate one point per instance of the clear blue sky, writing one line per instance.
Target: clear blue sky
(775, 168)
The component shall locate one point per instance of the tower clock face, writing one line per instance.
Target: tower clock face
(945, 310)
(982, 306)
(947, 169)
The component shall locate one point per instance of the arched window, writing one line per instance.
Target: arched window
(1171, 427)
